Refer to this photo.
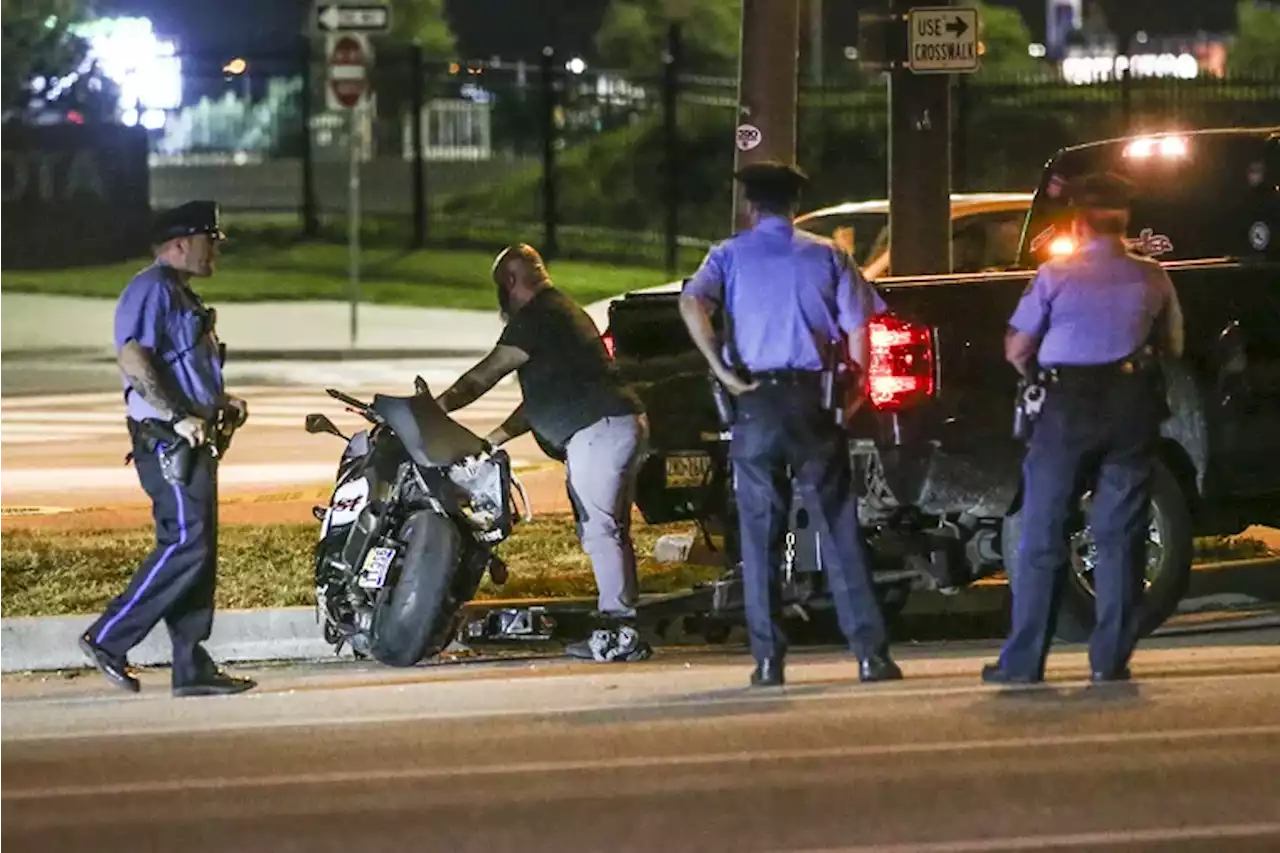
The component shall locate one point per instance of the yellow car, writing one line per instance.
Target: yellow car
(986, 229)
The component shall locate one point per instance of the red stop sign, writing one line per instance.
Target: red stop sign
(348, 74)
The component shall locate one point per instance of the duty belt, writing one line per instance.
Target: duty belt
(1137, 363)
(787, 377)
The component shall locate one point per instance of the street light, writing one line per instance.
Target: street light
(237, 68)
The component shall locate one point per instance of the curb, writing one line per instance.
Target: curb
(50, 642)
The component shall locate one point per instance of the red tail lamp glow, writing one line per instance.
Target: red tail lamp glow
(901, 372)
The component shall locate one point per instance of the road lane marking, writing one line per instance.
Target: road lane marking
(613, 764)
(1088, 840)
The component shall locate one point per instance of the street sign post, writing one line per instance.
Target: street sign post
(346, 88)
(942, 40)
(345, 25)
(352, 17)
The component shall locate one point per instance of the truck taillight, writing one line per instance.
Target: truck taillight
(901, 372)
(607, 338)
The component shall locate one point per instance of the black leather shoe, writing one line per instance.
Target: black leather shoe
(768, 673)
(115, 669)
(217, 683)
(878, 668)
(1114, 676)
(992, 673)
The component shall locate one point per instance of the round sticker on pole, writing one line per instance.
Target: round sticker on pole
(747, 136)
(1259, 236)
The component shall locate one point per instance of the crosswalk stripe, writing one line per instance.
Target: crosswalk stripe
(62, 417)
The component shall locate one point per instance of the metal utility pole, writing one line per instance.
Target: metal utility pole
(768, 66)
(919, 166)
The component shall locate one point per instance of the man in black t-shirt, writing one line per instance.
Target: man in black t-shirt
(580, 413)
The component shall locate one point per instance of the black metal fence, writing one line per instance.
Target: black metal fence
(588, 163)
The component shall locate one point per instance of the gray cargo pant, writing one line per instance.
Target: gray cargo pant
(601, 465)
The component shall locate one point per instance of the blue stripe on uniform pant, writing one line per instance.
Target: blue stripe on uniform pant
(176, 582)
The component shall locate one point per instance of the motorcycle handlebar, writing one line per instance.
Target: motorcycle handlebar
(350, 401)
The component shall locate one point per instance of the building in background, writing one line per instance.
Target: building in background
(144, 66)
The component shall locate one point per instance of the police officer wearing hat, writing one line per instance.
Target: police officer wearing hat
(1096, 322)
(788, 296)
(171, 365)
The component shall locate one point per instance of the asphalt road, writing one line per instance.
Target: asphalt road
(672, 754)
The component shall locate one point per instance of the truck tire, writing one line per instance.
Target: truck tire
(412, 620)
(1167, 575)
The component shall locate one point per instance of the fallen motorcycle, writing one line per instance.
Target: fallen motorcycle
(419, 505)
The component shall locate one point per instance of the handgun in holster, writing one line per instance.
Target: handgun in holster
(177, 456)
(1029, 401)
(726, 405)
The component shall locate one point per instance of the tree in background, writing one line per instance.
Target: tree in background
(1256, 48)
(423, 21)
(634, 34)
(45, 65)
(1005, 40)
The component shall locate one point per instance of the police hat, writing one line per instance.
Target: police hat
(772, 180)
(194, 217)
(1103, 190)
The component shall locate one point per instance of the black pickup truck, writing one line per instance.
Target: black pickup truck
(939, 468)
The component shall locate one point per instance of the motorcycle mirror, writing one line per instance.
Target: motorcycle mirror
(317, 423)
(420, 385)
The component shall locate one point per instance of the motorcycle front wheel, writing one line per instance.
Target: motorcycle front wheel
(411, 623)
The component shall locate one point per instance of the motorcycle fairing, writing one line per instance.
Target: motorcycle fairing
(431, 438)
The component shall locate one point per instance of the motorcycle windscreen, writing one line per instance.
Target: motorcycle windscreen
(431, 438)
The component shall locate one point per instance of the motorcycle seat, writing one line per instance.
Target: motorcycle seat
(431, 438)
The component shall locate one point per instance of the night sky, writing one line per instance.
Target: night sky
(519, 28)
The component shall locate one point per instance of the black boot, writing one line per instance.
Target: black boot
(769, 673)
(116, 669)
(878, 667)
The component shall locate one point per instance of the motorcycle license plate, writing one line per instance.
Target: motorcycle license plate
(374, 572)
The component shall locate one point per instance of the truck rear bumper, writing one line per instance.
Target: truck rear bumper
(981, 480)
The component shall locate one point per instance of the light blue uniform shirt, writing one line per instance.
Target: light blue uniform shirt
(1094, 307)
(789, 293)
(163, 315)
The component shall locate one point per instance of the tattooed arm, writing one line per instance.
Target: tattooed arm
(135, 363)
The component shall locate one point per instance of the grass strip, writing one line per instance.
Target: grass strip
(432, 278)
(56, 573)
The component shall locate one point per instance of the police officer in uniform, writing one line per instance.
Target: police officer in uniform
(788, 295)
(171, 364)
(1097, 323)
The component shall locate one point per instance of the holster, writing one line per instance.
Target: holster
(177, 457)
(1028, 402)
(726, 405)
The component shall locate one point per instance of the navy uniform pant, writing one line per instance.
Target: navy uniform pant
(1098, 431)
(781, 426)
(175, 583)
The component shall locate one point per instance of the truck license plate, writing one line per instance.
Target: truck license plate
(374, 572)
(687, 472)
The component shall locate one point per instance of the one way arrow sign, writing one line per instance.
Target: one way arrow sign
(367, 17)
